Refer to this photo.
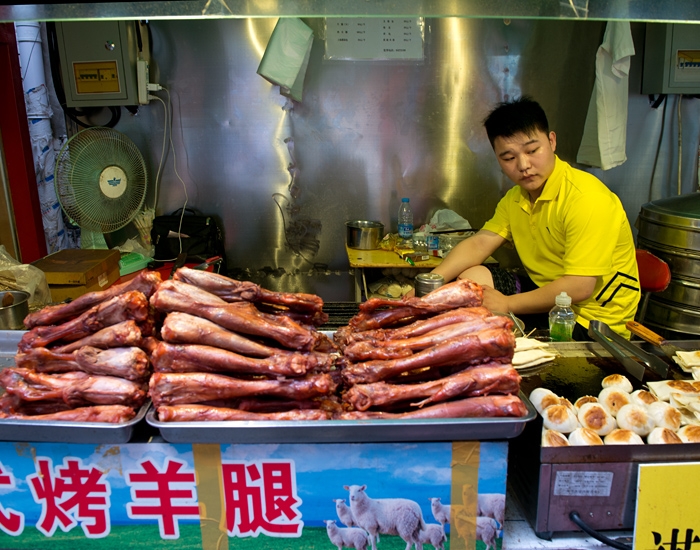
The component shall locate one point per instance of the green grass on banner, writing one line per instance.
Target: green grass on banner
(148, 537)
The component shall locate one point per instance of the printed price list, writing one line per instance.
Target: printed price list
(374, 38)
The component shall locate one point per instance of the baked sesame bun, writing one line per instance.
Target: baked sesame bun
(617, 381)
(665, 415)
(689, 434)
(584, 436)
(613, 399)
(585, 399)
(552, 438)
(542, 398)
(643, 397)
(622, 437)
(564, 401)
(560, 418)
(663, 436)
(635, 418)
(595, 417)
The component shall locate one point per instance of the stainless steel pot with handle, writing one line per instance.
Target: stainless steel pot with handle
(12, 315)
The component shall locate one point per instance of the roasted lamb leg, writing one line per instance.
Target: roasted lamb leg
(495, 344)
(196, 413)
(491, 378)
(195, 358)
(240, 317)
(145, 282)
(346, 336)
(130, 363)
(486, 406)
(391, 349)
(231, 290)
(188, 388)
(13, 404)
(124, 334)
(183, 328)
(73, 388)
(113, 414)
(460, 293)
(132, 305)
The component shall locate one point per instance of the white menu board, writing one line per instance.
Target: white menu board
(366, 38)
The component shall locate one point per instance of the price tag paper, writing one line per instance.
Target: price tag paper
(668, 507)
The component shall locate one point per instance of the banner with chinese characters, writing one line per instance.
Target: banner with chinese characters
(668, 506)
(72, 496)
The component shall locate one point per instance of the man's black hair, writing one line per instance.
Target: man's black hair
(522, 115)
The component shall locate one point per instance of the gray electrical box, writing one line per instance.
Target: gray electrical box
(98, 62)
(671, 59)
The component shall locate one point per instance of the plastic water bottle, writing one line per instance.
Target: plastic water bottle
(562, 319)
(405, 225)
(433, 242)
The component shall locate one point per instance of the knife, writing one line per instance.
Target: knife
(650, 336)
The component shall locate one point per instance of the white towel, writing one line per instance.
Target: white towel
(605, 131)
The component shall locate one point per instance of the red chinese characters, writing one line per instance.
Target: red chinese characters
(166, 495)
(73, 494)
(11, 521)
(261, 498)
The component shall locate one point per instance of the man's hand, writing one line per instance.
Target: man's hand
(495, 301)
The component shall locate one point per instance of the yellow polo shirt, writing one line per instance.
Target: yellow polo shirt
(576, 227)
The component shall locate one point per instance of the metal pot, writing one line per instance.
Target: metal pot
(364, 235)
(12, 316)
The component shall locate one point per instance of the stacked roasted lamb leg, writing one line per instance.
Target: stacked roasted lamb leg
(83, 360)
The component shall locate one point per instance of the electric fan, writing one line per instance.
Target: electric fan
(100, 179)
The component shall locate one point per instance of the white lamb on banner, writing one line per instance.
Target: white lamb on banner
(486, 531)
(441, 512)
(434, 534)
(492, 505)
(388, 516)
(344, 512)
(347, 537)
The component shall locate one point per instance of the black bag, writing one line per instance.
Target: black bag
(201, 237)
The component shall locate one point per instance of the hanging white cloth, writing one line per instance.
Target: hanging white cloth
(605, 131)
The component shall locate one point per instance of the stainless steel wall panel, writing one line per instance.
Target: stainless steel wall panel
(370, 132)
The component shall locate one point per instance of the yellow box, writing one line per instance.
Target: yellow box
(73, 272)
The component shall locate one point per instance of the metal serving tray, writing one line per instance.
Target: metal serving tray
(70, 432)
(342, 431)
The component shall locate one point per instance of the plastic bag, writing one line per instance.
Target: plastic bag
(26, 277)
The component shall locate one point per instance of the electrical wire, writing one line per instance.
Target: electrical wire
(169, 110)
(576, 518)
(680, 142)
(162, 153)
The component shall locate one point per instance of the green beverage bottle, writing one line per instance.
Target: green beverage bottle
(562, 319)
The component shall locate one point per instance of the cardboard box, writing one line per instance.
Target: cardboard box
(71, 273)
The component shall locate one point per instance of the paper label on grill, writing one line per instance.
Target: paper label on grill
(583, 484)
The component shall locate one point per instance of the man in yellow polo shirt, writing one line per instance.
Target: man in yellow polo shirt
(570, 231)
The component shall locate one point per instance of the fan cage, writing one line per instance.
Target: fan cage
(80, 163)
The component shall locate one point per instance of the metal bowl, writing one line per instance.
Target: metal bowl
(12, 316)
(364, 235)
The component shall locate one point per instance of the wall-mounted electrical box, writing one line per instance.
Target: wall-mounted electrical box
(671, 59)
(98, 62)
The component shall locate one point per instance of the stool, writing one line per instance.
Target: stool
(654, 276)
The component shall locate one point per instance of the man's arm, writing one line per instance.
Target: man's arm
(469, 253)
(541, 300)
